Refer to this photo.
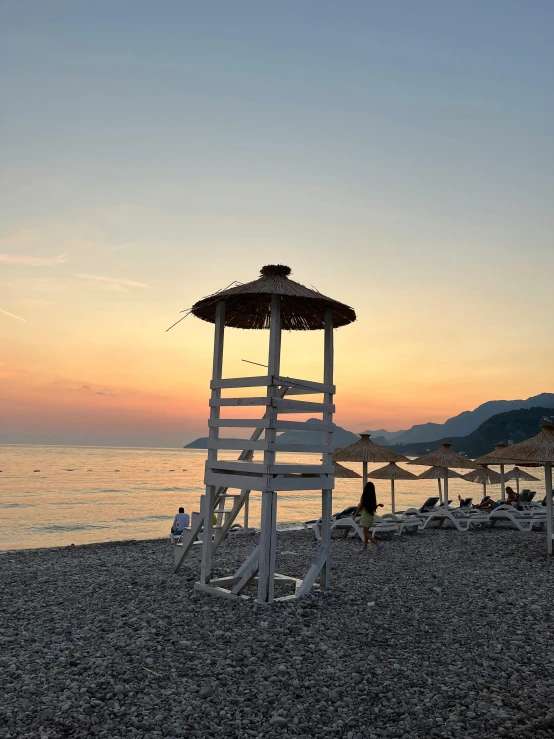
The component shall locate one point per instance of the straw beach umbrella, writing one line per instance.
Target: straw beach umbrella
(539, 449)
(344, 472)
(517, 475)
(364, 450)
(392, 472)
(446, 458)
(489, 459)
(437, 473)
(484, 476)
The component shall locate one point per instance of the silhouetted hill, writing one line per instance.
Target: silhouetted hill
(341, 437)
(464, 423)
(509, 428)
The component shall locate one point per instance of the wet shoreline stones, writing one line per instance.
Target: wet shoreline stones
(443, 635)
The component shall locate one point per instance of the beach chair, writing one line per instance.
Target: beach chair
(350, 527)
(423, 511)
(406, 524)
(520, 520)
(315, 525)
(458, 519)
(465, 502)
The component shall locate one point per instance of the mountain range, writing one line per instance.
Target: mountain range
(458, 426)
(509, 428)
(462, 424)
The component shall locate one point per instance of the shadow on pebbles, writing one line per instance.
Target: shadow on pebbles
(441, 635)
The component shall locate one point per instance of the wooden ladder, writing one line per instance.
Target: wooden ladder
(192, 535)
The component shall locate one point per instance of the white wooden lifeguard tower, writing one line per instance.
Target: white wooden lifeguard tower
(276, 303)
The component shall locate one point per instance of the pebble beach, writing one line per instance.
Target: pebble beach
(442, 635)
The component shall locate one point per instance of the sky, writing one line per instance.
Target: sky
(397, 156)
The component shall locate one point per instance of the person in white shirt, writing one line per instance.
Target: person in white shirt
(180, 522)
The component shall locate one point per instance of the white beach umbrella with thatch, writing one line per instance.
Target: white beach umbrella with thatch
(437, 473)
(539, 449)
(392, 472)
(364, 450)
(490, 459)
(483, 476)
(446, 458)
(518, 475)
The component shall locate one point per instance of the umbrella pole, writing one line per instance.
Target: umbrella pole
(502, 484)
(549, 522)
(364, 473)
(445, 495)
(485, 488)
(517, 484)
(392, 495)
(440, 490)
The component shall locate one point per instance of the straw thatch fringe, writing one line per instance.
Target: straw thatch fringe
(491, 456)
(482, 475)
(392, 471)
(517, 474)
(445, 457)
(365, 450)
(248, 306)
(435, 473)
(539, 448)
(344, 472)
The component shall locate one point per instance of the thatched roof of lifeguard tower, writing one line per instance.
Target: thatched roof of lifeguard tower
(249, 305)
(365, 450)
(539, 448)
(445, 457)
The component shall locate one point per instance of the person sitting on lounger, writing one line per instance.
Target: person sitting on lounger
(486, 504)
(368, 506)
(180, 522)
(512, 496)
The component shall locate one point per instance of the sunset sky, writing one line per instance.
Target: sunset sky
(396, 155)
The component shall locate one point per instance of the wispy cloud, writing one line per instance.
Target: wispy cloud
(120, 282)
(11, 315)
(29, 261)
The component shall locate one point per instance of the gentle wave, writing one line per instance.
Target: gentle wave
(53, 528)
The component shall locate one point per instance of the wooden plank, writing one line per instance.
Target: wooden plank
(302, 426)
(274, 469)
(232, 382)
(247, 572)
(327, 494)
(312, 574)
(210, 496)
(300, 483)
(269, 500)
(238, 444)
(205, 588)
(301, 406)
(237, 482)
(302, 448)
(313, 387)
(258, 423)
(246, 402)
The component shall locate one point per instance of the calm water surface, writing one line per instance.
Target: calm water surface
(59, 495)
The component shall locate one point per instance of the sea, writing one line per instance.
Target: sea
(53, 496)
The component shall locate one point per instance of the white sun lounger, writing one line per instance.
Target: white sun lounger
(350, 526)
(458, 518)
(519, 520)
(406, 524)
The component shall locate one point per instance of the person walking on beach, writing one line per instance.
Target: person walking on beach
(180, 522)
(368, 506)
